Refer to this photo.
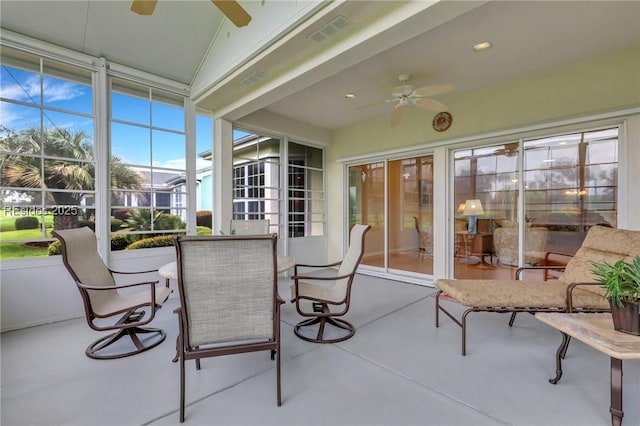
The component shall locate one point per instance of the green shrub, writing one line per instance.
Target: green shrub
(168, 221)
(161, 241)
(203, 230)
(55, 249)
(141, 219)
(122, 214)
(204, 218)
(116, 224)
(27, 222)
(119, 242)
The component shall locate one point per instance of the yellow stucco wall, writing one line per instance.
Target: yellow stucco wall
(595, 85)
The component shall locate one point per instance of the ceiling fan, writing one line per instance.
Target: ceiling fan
(406, 95)
(230, 8)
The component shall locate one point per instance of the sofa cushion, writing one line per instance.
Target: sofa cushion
(601, 244)
(518, 294)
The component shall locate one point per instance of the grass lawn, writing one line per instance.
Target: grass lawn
(14, 250)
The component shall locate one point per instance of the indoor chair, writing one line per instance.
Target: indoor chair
(322, 290)
(229, 301)
(425, 238)
(102, 299)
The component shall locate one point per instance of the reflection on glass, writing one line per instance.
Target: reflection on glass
(574, 189)
(489, 175)
(366, 206)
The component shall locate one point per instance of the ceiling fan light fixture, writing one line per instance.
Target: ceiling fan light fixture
(483, 45)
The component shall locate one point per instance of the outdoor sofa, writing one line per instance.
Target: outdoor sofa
(575, 290)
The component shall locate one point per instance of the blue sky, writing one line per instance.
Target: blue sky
(129, 142)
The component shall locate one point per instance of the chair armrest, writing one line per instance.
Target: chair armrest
(115, 287)
(319, 278)
(132, 272)
(570, 289)
(296, 279)
(295, 268)
(524, 268)
(557, 253)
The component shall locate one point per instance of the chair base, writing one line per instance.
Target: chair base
(323, 321)
(93, 350)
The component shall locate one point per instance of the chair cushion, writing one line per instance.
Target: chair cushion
(122, 302)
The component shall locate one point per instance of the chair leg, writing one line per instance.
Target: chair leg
(182, 388)
(278, 380)
(93, 349)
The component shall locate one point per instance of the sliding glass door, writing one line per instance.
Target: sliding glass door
(568, 183)
(395, 197)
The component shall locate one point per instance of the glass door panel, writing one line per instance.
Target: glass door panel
(366, 206)
(400, 238)
(486, 206)
(570, 185)
(410, 215)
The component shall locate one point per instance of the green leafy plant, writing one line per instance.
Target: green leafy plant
(621, 280)
(161, 241)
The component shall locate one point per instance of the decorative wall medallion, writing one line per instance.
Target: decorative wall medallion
(442, 121)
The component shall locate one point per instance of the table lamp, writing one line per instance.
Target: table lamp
(473, 208)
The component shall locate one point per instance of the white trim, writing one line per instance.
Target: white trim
(102, 168)
(130, 74)
(567, 124)
(47, 50)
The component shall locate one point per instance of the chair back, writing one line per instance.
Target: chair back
(250, 227)
(352, 257)
(81, 258)
(602, 244)
(228, 288)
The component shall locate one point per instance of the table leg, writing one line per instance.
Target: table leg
(559, 355)
(616, 392)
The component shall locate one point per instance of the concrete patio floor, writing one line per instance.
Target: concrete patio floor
(398, 369)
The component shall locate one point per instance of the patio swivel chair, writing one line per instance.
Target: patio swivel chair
(103, 299)
(229, 301)
(323, 290)
(249, 227)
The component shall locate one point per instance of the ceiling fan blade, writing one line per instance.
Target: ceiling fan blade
(233, 11)
(434, 90)
(143, 7)
(396, 115)
(431, 105)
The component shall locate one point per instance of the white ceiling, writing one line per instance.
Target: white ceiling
(528, 37)
(170, 43)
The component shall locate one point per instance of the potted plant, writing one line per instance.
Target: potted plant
(621, 282)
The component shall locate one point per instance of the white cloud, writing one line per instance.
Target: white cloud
(180, 163)
(29, 91)
(61, 91)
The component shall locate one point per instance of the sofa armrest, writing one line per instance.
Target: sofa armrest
(573, 286)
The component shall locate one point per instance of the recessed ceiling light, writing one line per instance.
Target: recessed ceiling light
(350, 96)
(484, 45)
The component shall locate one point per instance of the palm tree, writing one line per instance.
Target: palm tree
(68, 166)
